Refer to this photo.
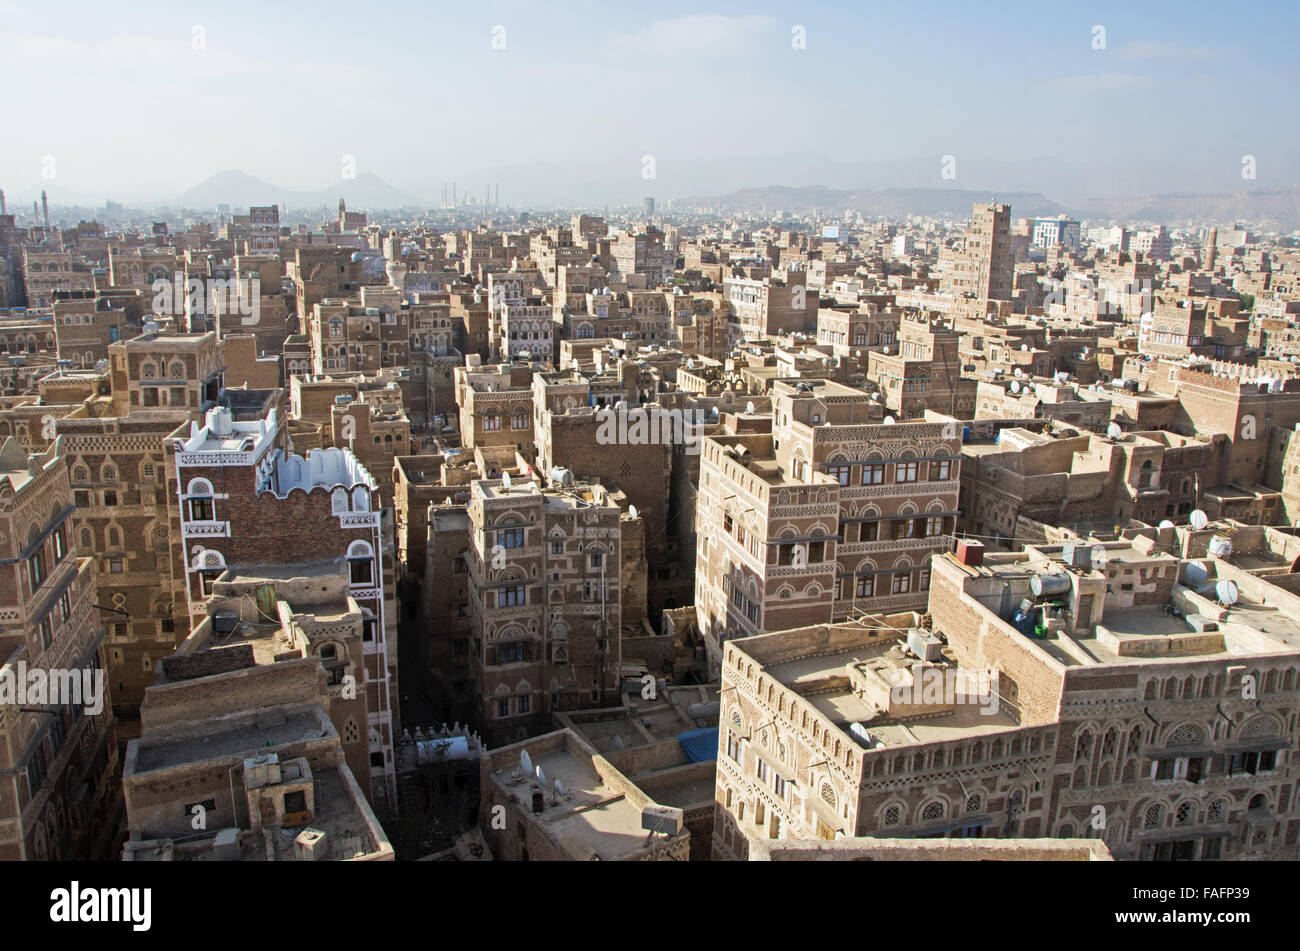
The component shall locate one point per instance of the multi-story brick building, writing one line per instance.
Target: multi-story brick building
(983, 266)
(496, 406)
(1160, 735)
(545, 596)
(831, 515)
(58, 761)
(246, 505)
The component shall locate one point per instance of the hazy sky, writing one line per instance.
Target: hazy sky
(127, 106)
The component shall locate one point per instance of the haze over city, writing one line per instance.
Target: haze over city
(559, 104)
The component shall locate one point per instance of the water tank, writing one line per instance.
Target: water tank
(441, 750)
(1220, 547)
(703, 711)
(1049, 585)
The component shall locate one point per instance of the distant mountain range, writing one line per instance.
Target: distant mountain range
(1275, 209)
(234, 187)
(888, 203)
(1268, 209)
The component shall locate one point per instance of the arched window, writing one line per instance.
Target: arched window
(361, 564)
(199, 500)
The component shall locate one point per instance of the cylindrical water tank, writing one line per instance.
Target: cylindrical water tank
(700, 711)
(1044, 586)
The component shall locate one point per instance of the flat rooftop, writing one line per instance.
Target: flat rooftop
(337, 814)
(245, 735)
(821, 679)
(592, 817)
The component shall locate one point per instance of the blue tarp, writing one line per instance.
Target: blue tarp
(700, 745)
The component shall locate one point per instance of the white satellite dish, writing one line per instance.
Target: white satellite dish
(1199, 520)
(541, 777)
(560, 791)
(1226, 592)
(749, 408)
(631, 510)
(1197, 573)
(1015, 386)
(890, 421)
(505, 481)
(1166, 524)
(525, 762)
(1113, 431)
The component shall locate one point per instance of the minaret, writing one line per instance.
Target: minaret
(45, 208)
(1212, 251)
(2, 202)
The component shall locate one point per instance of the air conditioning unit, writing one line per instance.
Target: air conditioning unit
(924, 645)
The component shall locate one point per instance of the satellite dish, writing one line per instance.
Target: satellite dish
(505, 481)
(1197, 573)
(560, 791)
(1015, 386)
(1113, 431)
(541, 777)
(631, 510)
(749, 408)
(1199, 520)
(890, 421)
(525, 762)
(1166, 524)
(1226, 592)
